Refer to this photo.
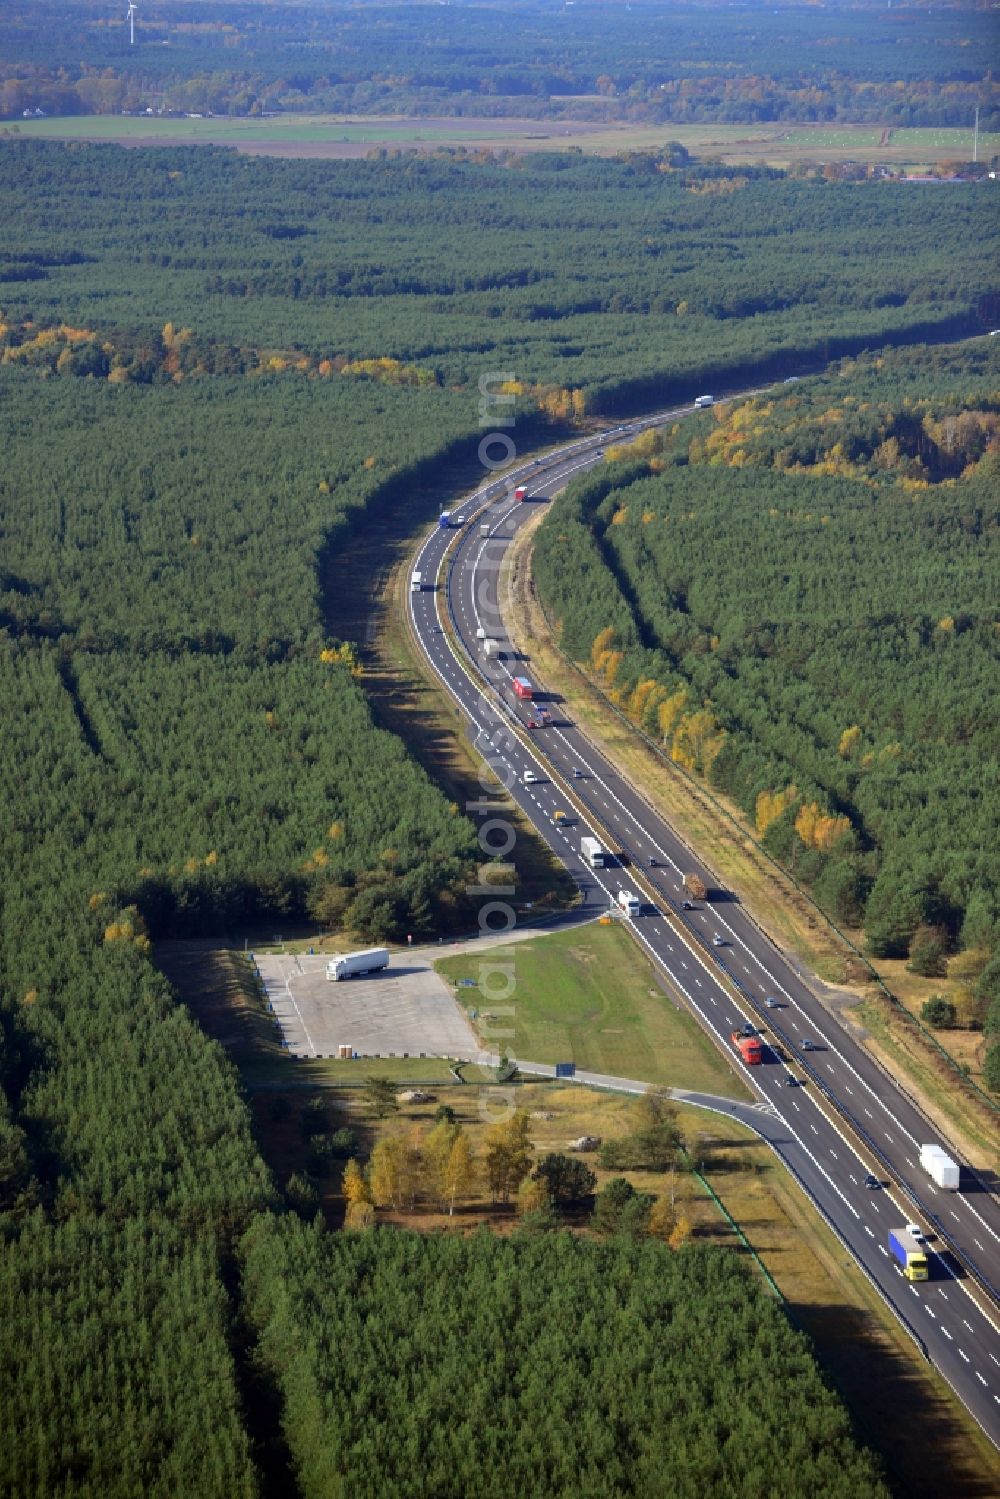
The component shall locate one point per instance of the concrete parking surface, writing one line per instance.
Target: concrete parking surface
(406, 1010)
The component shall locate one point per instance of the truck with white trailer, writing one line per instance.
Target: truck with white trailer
(629, 902)
(416, 582)
(593, 851)
(349, 965)
(940, 1167)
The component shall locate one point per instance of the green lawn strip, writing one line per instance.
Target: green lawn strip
(589, 997)
(292, 1072)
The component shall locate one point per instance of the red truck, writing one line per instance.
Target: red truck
(748, 1047)
(521, 492)
(523, 688)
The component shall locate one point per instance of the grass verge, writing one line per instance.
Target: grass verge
(588, 996)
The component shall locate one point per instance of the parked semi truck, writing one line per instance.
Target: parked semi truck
(593, 852)
(749, 1048)
(523, 688)
(940, 1167)
(908, 1253)
(349, 965)
(695, 886)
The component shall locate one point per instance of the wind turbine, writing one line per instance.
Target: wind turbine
(130, 17)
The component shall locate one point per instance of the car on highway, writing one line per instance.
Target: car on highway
(652, 862)
(459, 520)
(770, 1002)
(872, 1183)
(688, 905)
(559, 815)
(577, 773)
(791, 1081)
(916, 1231)
(807, 1045)
(718, 940)
(530, 779)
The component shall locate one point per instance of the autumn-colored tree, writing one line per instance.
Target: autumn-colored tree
(697, 741)
(817, 829)
(770, 806)
(394, 1172)
(849, 741)
(670, 711)
(604, 641)
(459, 1176)
(662, 1219)
(681, 1231)
(358, 1197)
(508, 1156)
(435, 1153)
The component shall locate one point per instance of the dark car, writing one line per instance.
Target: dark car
(872, 1183)
(652, 862)
(687, 905)
(790, 1081)
(808, 1045)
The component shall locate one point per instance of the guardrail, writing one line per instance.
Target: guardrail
(747, 837)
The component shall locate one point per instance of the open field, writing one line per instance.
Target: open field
(588, 996)
(345, 136)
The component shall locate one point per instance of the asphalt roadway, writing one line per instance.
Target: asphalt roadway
(829, 1110)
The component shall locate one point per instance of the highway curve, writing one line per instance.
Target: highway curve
(842, 1116)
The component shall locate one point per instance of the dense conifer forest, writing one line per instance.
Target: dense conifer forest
(615, 279)
(517, 1366)
(213, 370)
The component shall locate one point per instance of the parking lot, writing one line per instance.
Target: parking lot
(406, 1010)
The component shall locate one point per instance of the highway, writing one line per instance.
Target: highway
(825, 1106)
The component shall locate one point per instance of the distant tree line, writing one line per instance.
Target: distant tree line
(653, 62)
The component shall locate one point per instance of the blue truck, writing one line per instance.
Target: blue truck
(909, 1253)
(444, 520)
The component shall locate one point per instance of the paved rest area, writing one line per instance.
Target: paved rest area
(406, 1010)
